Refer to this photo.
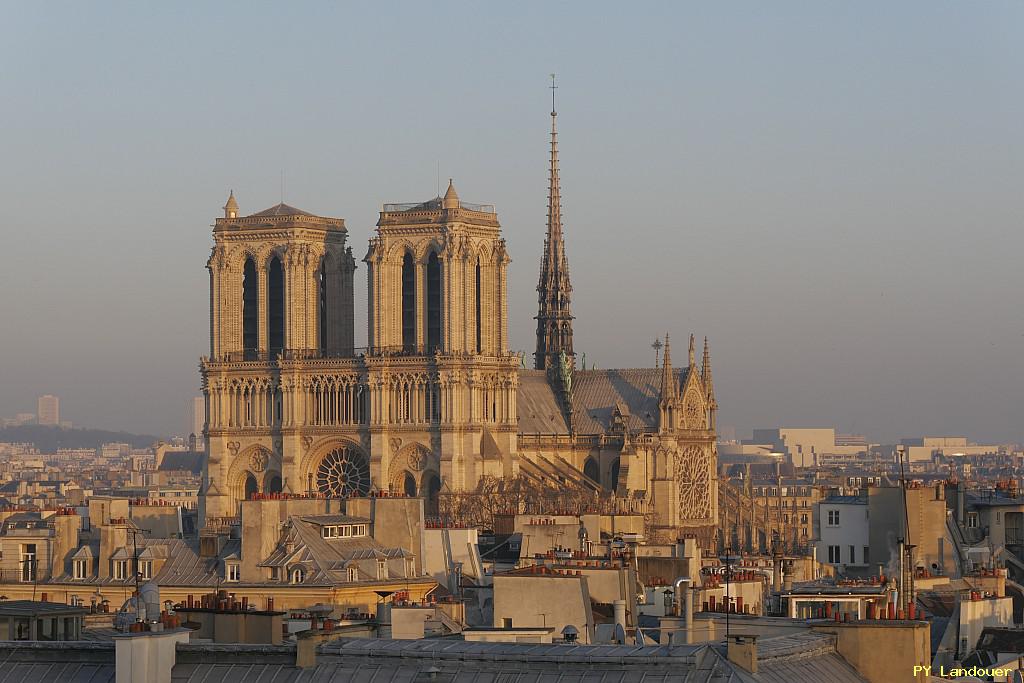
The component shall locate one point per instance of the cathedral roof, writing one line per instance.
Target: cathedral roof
(596, 392)
(538, 408)
(282, 209)
(595, 395)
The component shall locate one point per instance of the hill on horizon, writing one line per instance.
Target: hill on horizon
(48, 439)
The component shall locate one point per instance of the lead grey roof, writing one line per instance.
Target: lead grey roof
(184, 566)
(539, 412)
(595, 393)
(281, 209)
(182, 460)
(800, 658)
(80, 672)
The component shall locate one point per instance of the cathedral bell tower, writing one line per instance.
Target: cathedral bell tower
(437, 273)
(438, 366)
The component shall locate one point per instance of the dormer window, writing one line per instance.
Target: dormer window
(120, 570)
(146, 569)
(359, 530)
(298, 575)
(382, 570)
(336, 531)
(80, 569)
(231, 571)
(353, 574)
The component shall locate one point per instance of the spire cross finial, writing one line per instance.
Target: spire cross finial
(553, 88)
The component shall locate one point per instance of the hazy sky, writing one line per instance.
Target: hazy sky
(831, 191)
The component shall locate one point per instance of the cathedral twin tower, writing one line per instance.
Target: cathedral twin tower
(433, 401)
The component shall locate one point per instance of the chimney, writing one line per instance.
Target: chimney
(305, 650)
(742, 651)
(147, 657)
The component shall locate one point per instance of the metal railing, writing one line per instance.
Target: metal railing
(434, 205)
(356, 352)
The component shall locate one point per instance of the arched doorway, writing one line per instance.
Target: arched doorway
(430, 489)
(251, 486)
(343, 471)
(409, 485)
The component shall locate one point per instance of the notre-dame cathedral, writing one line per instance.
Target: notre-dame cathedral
(436, 401)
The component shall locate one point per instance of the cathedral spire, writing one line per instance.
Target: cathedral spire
(705, 365)
(668, 378)
(231, 207)
(705, 370)
(693, 353)
(709, 387)
(554, 317)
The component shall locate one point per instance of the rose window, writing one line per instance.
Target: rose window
(692, 478)
(343, 472)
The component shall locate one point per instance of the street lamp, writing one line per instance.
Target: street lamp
(727, 559)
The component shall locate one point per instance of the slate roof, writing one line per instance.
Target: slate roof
(1001, 640)
(46, 662)
(184, 566)
(322, 556)
(802, 658)
(80, 672)
(594, 398)
(281, 209)
(539, 412)
(595, 393)
(191, 461)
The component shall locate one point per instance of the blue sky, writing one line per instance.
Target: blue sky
(831, 191)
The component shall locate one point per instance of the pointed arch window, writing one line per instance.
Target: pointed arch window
(433, 302)
(479, 310)
(324, 300)
(250, 307)
(408, 302)
(275, 305)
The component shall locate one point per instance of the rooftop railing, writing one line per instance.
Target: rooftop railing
(434, 205)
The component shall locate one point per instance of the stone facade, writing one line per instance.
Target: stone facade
(436, 399)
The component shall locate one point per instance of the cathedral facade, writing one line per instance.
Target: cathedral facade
(436, 401)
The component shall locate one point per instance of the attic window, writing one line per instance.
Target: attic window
(337, 531)
(359, 530)
(80, 568)
(298, 575)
